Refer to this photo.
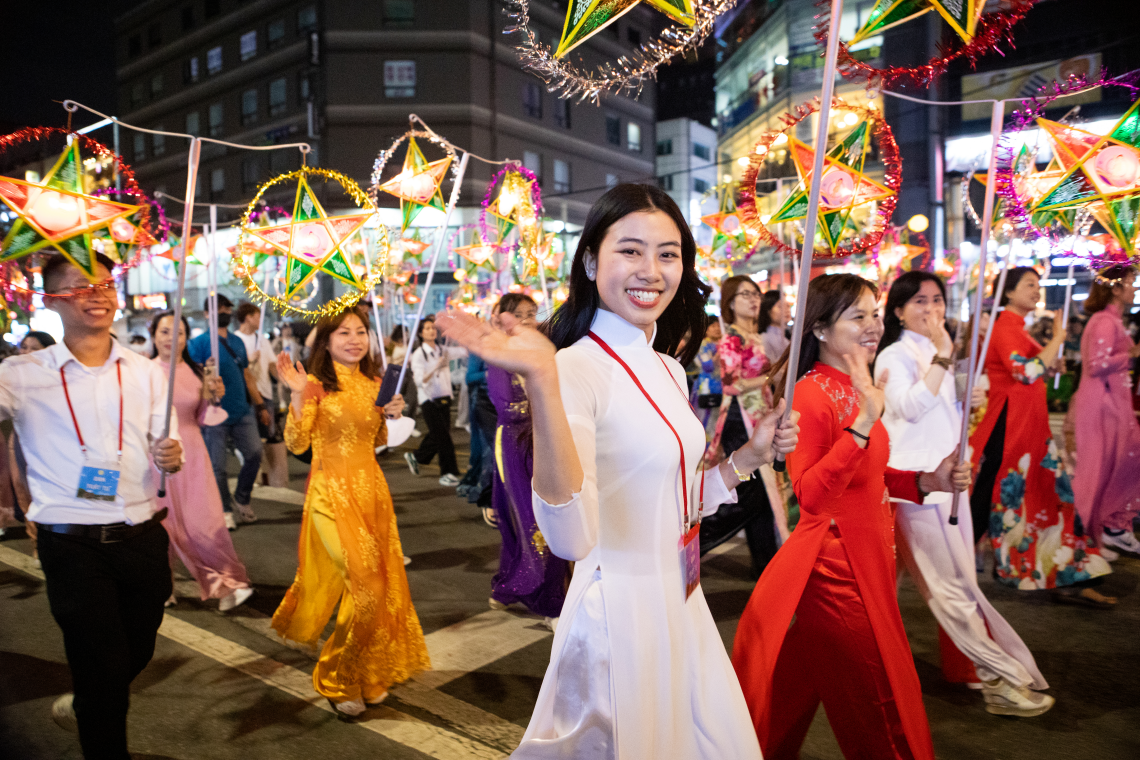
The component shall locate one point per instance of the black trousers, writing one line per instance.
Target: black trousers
(437, 415)
(752, 511)
(108, 601)
(990, 465)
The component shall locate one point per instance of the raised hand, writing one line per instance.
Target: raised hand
(936, 329)
(294, 377)
(872, 401)
(523, 350)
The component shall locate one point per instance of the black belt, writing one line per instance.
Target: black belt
(106, 534)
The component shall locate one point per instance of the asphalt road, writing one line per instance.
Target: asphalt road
(224, 687)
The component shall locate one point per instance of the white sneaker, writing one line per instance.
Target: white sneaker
(229, 518)
(63, 713)
(1003, 698)
(1124, 540)
(416, 433)
(351, 707)
(235, 598)
(407, 560)
(173, 600)
(1108, 554)
(244, 513)
(413, 465)
(449, 480)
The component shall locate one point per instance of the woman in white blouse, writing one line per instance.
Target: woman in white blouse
(431, 370)
(924, 417)
(637, 668)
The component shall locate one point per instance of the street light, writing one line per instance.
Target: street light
(918, 223)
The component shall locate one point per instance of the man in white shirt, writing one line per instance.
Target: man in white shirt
(247, 317)
(90, 415)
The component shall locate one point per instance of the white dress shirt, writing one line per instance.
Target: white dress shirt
(260, 370)
(424, 361)
(924, 427)
(31, 395)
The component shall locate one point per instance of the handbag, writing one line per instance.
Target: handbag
(709, 400)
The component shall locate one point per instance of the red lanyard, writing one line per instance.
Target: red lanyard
(684, 476)
(74, 421)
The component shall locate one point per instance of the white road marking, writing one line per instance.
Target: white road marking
(431, 740)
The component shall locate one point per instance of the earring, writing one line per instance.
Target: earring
(820, 338)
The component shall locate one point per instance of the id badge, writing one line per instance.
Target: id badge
(98, 481)
(691, 560)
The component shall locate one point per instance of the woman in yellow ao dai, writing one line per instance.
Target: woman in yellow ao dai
(349, 548)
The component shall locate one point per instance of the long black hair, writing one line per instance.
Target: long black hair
(902, 290)
(684, 314)
(828, 297)
(152, 328)
(768, 302)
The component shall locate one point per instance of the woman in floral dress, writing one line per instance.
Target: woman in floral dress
(1037, 537)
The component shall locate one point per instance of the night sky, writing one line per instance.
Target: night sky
(52, 51)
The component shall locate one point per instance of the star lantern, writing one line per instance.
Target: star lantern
(843, 187)
(961, 15)
(418, 183)
(1101, 173)
(477, 251)
(726, 223)
(172, 253)
(515, 206)
(585, 18)
(56, 215)
(1032, 184)
(313, 242)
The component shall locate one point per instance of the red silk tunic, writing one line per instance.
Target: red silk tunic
(836, 480)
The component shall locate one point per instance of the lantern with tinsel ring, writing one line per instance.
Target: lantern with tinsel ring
(313, 242)
(60, 214)
(845, 186)
(1095, 177)
(584, 18)
(418, 183)
(977, 34)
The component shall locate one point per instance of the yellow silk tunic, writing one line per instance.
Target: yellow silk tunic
(349, 549)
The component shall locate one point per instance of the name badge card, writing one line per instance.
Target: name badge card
(691, 560)
(98, 481)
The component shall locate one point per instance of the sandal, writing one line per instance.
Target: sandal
(490, 517)
(1085, 598)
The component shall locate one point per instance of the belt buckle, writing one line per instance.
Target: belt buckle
(108, 534)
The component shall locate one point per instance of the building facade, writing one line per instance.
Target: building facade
(686, 164)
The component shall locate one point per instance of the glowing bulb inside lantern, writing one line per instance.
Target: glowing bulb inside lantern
(850, 119)
(459, 274)
(311, 241)
(507, 201)
(780, 139)
(55, 212)
(918, 223)
(837, 188)
(122, 230)
(1118, 166)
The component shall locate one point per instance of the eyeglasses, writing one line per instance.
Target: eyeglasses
(104, 288)
(751, 295)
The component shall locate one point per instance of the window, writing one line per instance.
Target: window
(664, 147)
(192, 124)
(217, 119)
(248, 107)
(633, 137)
(562, 112)
(134, 46)
(217, 184)
(306, 19)
(275, 37)
(190, 71)
(214, 60)
(399, 79)
(213, 8)
(159, 142)
(248, 45)
(666, 182)
(140, 147)
(399, 13)
(250, 173)
(700, 185)
(277, 97)
(304, 86)
(138, 93)
(532, 100)
(156, 85)
(634, 36)
(154, 36)
(701, 151)
(613, 130)
(612, 180)
(187, 18)
(561, 176)
(533, 162)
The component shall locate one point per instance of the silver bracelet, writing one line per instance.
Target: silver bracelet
(742, 477)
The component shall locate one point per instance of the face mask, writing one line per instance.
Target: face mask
(224, 320)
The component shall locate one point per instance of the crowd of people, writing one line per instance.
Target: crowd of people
(611, 447)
